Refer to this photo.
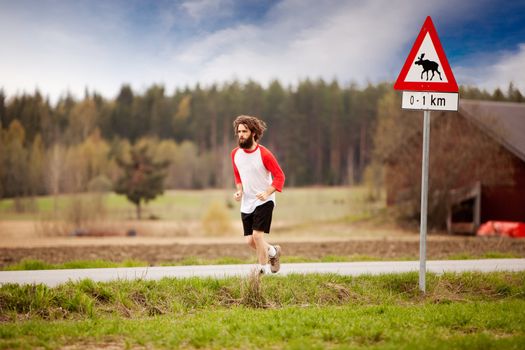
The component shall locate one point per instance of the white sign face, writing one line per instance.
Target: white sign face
(426, 67)
(432, 101)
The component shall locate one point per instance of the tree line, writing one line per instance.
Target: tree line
(321, 132)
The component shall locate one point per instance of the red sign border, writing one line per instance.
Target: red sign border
(450, 86)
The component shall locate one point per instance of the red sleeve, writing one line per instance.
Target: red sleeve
(273, 167)
(235, 170)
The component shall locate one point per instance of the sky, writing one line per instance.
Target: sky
(61, 46)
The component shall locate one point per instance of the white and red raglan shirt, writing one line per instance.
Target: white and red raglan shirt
(256, 170)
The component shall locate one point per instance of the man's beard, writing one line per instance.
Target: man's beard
(246, 144)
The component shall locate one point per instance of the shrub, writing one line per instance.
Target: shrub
(216, 220)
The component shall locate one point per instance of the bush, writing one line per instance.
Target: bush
(100, 184)
(84, 209)
(216, 220)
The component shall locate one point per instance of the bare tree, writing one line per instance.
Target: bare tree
(55, 171)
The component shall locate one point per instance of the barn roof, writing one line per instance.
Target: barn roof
(504, 121)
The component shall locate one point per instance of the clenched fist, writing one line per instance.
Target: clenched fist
(237, 195)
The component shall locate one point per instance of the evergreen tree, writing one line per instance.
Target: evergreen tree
(152, 109)
(498, 95)
(15, 163)
(3, 120)
(60, 121)
(514, 94)
(121, 117)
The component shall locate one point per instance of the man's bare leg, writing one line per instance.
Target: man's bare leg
(251, 242)
(261, 247)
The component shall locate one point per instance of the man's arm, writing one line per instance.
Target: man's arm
(235, 170)
(238, 183)
(271, 164)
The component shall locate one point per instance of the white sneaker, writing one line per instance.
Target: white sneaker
(275, 263)
(263, 270)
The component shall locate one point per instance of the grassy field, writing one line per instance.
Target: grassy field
(294, 204)
(459, 311)
(180, 213)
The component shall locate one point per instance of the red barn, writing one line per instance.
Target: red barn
(477, 162)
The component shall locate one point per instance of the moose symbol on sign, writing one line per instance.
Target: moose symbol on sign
(428, 66)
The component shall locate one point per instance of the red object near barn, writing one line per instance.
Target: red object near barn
(502, 228)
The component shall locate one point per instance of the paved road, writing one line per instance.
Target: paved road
(56, 277)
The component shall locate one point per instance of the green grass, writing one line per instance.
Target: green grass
(138, 298)
(34, 264)
(465, 311)
(487, 255)
(460, 326)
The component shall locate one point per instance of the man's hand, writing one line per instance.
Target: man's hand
(237, 195)
(262, 196)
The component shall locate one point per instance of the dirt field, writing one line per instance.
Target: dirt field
(156, 253)
(162, 242)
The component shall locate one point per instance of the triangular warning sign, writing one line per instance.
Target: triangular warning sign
(426, 67)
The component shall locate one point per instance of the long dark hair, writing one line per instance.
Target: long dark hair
(255, 125)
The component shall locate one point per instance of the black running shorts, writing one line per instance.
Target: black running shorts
(259, 220)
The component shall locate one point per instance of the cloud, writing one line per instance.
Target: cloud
(350, 41)
(509, 68)
(56, 49)
(494, 70)
(61, 46)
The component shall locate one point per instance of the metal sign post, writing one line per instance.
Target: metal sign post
(424, 202)
(428, 84)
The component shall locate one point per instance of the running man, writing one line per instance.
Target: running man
(257, 177)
